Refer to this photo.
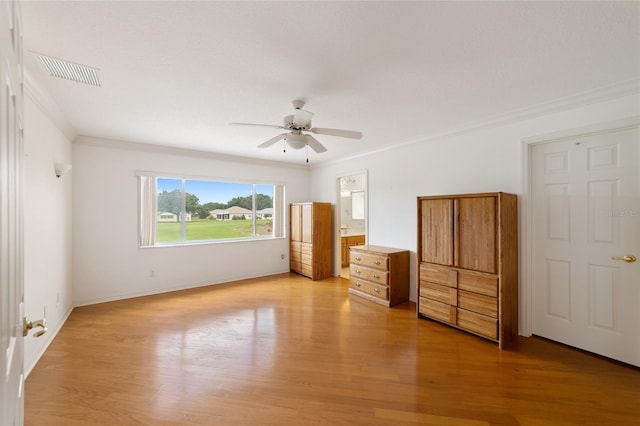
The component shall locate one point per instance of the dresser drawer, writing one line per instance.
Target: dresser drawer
(295, 256)
(481, 324)
(437, 310)
(306, 269)
(372, 289)
(306, 259)
(375, 275)
(306, 248)
(295, 246)
(438, 274)
(478, 303)
(438, 292)
(370, 260)
(295, 266)
(477, 283)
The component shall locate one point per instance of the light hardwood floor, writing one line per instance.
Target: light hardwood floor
(284, 350)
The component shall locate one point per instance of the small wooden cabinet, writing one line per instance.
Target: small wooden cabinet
(379, 274)
(310, 251)
(349, 241)
(468, 263)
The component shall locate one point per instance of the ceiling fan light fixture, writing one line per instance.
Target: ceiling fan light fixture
(296, 141)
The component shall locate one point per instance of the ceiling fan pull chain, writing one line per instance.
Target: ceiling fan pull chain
(307, 154)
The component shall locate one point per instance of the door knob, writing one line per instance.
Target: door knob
(629, 258)
(28, 325)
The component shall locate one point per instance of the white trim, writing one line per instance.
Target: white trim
(84, 140)
(337, 252)
(592, 129)
(48, 106)
(524, 292)
(206, 178)
(233, 280)
(601, 94)
(526, 298)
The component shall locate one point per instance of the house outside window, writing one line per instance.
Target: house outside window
(176, 211)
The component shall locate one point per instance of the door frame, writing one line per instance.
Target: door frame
(526, 262)
(337, 252)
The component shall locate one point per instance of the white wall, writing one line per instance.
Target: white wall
(108, 264)
(47, 228)
(483, 160)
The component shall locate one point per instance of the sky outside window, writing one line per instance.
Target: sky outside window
(208, 191)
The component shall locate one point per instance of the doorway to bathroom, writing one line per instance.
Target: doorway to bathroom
(353, 215)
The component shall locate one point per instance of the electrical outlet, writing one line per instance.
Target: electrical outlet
(282, 256)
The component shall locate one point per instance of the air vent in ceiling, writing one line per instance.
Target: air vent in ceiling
(68, 70)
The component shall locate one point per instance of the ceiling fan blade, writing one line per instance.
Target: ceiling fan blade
(272, 140)
(314, 144)
(302, 118)
(273, 126)
(336, 132)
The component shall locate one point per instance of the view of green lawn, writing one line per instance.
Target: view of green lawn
(205, 229)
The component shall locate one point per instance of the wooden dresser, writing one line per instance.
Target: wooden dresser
(379, 274)
(310, 251)
(468, 263)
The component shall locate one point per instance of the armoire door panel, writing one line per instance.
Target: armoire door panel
(296, 222)
(437, 227)
(475, 233)
(307, 221)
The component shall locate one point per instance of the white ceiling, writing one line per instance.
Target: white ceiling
(175, 73)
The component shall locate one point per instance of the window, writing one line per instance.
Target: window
(185, 211)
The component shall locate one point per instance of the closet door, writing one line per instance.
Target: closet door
(437, 231)
(475, 232)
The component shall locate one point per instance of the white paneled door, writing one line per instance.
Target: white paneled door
(11, 269)
(586, 234)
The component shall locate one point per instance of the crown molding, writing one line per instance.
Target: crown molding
(47, 105)
(601, 94)
(91, 141)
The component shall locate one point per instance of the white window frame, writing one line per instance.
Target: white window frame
(147, 209)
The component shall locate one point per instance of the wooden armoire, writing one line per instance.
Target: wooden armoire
(310, 251)
(468, 263)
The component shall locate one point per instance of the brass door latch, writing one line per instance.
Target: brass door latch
(28, 325)
(629, 258)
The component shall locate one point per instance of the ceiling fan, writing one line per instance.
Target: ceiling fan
(298, 123)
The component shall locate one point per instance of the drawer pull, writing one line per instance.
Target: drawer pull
(377, 262)
(377, 290)
(358, 284)
(376, 276)
(358, 259)
(358, 272)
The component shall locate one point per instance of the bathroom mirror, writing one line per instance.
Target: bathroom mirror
(357, 205)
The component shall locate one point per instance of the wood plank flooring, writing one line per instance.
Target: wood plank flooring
(284, 350)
